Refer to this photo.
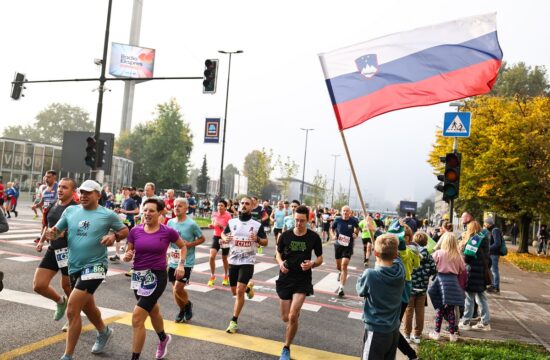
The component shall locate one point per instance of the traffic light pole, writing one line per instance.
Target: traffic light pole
(452, 202)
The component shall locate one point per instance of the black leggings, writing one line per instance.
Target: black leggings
(403, 344)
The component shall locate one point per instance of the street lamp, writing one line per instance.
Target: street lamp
(225, 117)
(304, 170)
(333, 180)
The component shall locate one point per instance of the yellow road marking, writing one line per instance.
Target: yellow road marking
(51, 340)
(240, 341)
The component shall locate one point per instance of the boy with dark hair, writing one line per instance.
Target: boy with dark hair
(382, 288)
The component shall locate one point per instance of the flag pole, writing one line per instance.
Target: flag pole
(363, 206)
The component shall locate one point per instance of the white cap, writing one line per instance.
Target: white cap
(90, 185)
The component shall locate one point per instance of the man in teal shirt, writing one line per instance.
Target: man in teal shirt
(191, 233)
(88, 228)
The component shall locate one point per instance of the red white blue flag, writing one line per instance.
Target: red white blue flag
(426, 66)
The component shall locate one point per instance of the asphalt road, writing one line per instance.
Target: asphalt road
(330, 327)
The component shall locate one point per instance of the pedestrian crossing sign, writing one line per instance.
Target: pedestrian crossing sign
(457, 124)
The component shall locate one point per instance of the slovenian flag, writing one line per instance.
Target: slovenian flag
(426, 66)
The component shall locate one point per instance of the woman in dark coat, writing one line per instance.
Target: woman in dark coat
(475, 248)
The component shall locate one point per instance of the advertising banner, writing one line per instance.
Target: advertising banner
(131, 61)
(212, 130)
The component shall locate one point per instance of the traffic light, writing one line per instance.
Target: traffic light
(451, 177)
(91, 152)
(210, 76)
(101, 152)
(17, 86)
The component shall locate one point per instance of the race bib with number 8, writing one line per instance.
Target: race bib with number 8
(93, 272)
(343, 240)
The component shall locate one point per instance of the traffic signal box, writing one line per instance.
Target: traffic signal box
(91, 153)
(17, 86)
(450, 179)
(210, 76)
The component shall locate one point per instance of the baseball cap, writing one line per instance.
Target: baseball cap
(90, 185)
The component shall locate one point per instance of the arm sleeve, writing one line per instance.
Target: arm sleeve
(115, 221)
(62, 223)
(227, 229)
(197, 231)
(174, 235)
(261, 233)
(318, 245)
(281, 244)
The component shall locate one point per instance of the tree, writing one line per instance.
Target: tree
(229, 179)
(506, 160)
(287, 169)
(193, 176)
(159, 148)
(202, 179)
(319, 188)
(521, 81)
(425, 209)
(51, 123)
(341, 198)
(257, 168)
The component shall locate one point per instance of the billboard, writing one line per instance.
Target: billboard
(131, 61)
(405, 206)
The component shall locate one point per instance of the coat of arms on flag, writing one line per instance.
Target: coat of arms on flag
(367, 65)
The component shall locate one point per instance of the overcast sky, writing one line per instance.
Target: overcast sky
(277, 84)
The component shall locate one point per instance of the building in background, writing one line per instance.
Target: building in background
(25, 162)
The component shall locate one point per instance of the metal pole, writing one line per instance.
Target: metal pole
(225, 125)
(333, 181)
(96, 173)
(363, 206)
(304, 170)
(349, 189)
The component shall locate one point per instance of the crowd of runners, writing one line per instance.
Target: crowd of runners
(158, 236)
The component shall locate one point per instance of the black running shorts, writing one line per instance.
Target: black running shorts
(89, 286)
(147, 303)
(216, 245)
(186, 276)
(240, 273)
(49, 262)
(366, 241)
(288, 286)
(343, 251)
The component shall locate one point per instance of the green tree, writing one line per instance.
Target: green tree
(505, 161)
(287, 169)
(50, 124)
(193, 176)
(202, 179)
(257, 168)
(229, 179)
(425, 209)
(522, 81)
(319, 188)
(159, 148)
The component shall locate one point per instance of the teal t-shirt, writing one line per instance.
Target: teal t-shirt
(289, 222)
(189, 231)
(279, 217)
(85, 229)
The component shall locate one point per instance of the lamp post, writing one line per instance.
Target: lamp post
(225, 117)
(304, 170)
(333, 180)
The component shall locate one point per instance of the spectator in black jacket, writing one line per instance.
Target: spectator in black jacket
(3, 228)
(495, 236)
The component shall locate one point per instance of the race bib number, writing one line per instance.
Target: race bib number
(61, 256)
(148, 283)
(174, 255)
(243, 244)
(343, 240)
(93, 272)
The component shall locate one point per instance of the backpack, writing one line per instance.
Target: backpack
(503, 249)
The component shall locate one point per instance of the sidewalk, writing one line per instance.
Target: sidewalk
(521, 311)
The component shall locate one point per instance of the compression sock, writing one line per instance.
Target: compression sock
(162, 335)
(234, 318)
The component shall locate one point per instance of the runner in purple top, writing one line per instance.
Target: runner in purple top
(147, 245)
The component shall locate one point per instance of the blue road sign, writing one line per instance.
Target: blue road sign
(457, 124)
(212, 130)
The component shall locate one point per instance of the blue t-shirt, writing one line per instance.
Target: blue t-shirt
(344, 230)
(129, 205)
(279, 217)
(189, 231)
(49, 197)
(86, 228)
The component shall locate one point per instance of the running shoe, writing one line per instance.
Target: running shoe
(434, 335)
(233, 327)
(66, 357)
(37, 240)
(128, 273)
(225, 281)
(16, 213)
(366, 263)
(250, 290)
(341, 292)
(101, 340)
(211, 281)
(415, 339)
(35, 217)
(181, 316)
(285, 354)
(65, 327)
(162, 348)
(1, 280)
(60, 309)
(115, 259)
(453, 338)
(465, 326)
(188, 312)
(260, 249)
(482, 326)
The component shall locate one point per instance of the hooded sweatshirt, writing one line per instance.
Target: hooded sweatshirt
(382, 288)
